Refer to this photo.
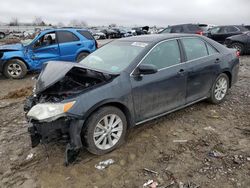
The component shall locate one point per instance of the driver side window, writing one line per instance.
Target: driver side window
(164, 55)
(46, 40)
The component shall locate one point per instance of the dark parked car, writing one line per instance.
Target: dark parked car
(110, 33)
(184, 28)
(247, 26)
(126, 83)
(239, 42)
(220, 33)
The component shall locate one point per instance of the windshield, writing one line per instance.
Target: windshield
(114, 57)
(27, 42)
(167, 30)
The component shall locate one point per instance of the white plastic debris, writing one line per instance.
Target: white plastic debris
(209, 128)
(30, 156)
(103, 164)
(179, 141)
(149, 182)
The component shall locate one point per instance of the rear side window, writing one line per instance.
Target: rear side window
(164, 55)
(193, 27)
(194, 48)
(211, 50)
(176, 29)
(66, 36)
(86, 34)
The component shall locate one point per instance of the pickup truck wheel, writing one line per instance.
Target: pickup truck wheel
(239, 47)
(2, 35)
(81, 56)
(105, 130)
(219, 89)
(15, 68)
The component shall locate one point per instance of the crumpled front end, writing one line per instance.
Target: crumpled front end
(56, 93)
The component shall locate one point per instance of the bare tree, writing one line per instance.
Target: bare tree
(14, 22)
(77, 23)
(38, 21)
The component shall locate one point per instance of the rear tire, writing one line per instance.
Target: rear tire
(239, 47)
(81, 56)
(219, 89)
(105, 130)
(15, 68)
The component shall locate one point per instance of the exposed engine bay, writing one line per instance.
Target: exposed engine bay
(76, 81)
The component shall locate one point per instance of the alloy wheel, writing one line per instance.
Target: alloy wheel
(14, 69)
(108, 131)
(220, 88)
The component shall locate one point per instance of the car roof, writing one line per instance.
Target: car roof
(62, 29)
(156, 37)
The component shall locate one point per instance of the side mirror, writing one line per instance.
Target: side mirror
(147, 69)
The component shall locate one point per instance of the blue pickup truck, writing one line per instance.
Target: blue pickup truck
(67, 44)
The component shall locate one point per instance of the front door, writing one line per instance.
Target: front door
(44, 49)
(154, 94)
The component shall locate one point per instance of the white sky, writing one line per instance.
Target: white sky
(128, 12)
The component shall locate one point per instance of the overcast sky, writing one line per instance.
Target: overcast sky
(128, 12)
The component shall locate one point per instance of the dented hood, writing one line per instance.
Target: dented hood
(54, 71)
(11, 47)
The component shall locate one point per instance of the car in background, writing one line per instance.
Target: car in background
(97, 34)
(4, 33)
(110, 33)
(93, 103)
(239, 42)
(247, 26)
(52, 44)
(205, 27)
(220, 33)
(184, 28)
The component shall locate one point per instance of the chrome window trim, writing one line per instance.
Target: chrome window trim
(181, 63)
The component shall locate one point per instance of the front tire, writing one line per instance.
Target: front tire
(219, 89)
(105, 130)
(15, 68)
(2, 35)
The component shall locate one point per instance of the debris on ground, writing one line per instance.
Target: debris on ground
(30, 156)
(151, 171)
(216, 154)
(104, 164)
(209, 128)
(149, 182)
(179, 141)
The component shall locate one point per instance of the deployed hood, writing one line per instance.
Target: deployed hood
(56, 71)
(11, 47)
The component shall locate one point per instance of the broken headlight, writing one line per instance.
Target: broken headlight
(49, 111)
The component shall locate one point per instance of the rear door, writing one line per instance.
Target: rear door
(202, 65)
(165, 90)
(44, 49)
(69, 44)
(217, 34)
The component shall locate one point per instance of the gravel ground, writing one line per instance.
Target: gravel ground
(202, 145)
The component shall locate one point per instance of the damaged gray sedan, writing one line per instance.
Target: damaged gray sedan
(125, 83)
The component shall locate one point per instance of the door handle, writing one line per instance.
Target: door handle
(79, 44)
(217, 60)
(181, 72)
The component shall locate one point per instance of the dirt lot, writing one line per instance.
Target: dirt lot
(203, 145)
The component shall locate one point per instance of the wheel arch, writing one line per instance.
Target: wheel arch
(116, 104)
(27, 65)
(229, 75)
(81, 51)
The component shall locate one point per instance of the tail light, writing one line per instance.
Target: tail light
(237, 53)
(199, 32)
